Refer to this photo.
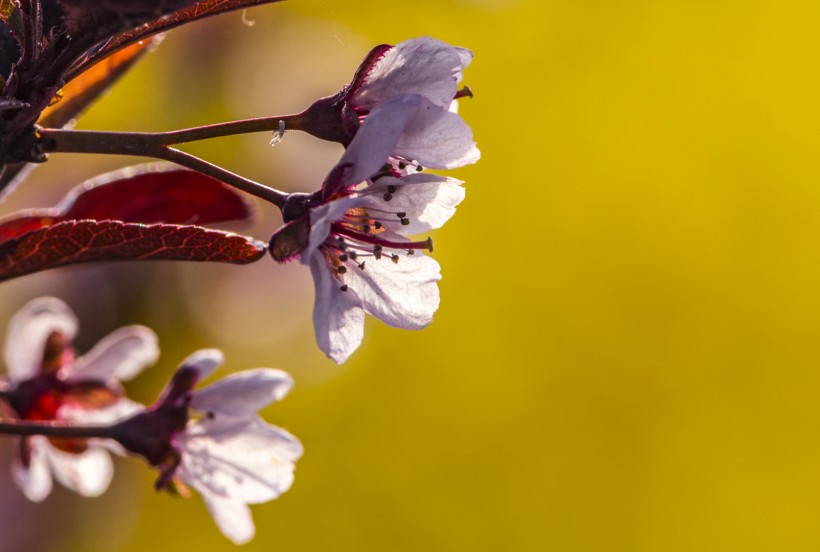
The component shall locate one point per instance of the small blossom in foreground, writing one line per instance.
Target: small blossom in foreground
(417, 80)
(46, 383)
(228, 454)
(354, 240)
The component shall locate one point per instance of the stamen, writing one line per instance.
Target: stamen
(378, 225)
(394, 258)
(405, 221)
(392, 189)
(361, 265)
(343, 258)
(401, 214)
(411, 251)
(343, 287)
(341, 269)
(376, 241)
(387, 196)
(352, 255)
(377, 251)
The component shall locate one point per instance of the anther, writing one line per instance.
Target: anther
(401, 214)
(377, 224)
(341, 269)
(210, 415)
(361, 265)
(343, 258)
(430, 244)
(411, 251)
(352, 255)
(419, 168)
(377, 251)
(402, 165)
(394, 258)
(405, 221)
(343, 287)
(366, 228)
(387, 196)
(392, 189)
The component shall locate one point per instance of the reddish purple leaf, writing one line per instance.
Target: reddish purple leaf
(73, 242)
(143, 194)
(198, 10)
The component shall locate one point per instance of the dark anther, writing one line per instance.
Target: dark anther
(411, 251)
(343, 258)
(401, 214)
(352, 255)
(405, 221)
(341, 269)
(394, 258)
(419, 168)
(210, 415)
(377, 251)
(392, 189)
(388, 196)
(402, 165)
(430, 244)
(343, 287)
(361, 265)
(366, 228)
(377, 224)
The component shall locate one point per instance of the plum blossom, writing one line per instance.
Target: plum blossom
(417, 81)
(47, 383)
(227, 453)
(354, 239)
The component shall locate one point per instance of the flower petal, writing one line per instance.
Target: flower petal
(204, 361)
(28, 331)
(232, 516)
(121, 355)
(428, 200)
(403, 294)
(243, 393)
(338, 318)
(87, 473)
(244, 458)
(33, 479)
(373, 143)
(424, 66)
(437, 138)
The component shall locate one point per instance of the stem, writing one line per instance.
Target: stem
(54, 429)
(262, 124)
(146, 144)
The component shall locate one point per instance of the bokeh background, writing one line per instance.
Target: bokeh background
(626, 356)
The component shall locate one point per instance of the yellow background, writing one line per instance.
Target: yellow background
(626, 356)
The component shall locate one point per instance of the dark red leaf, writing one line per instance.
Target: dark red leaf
(193, 12)
(153, 193)
(73, 242)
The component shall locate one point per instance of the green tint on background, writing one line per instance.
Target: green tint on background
(626, 356)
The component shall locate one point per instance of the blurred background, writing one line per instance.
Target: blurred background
(626, 356)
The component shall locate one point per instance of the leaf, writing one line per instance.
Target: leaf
(91, 83)
(193, 12)
(74, 242)
(152, 193)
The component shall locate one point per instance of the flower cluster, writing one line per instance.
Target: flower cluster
(211, 439)
(353, 232)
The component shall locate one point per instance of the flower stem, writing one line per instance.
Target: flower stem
(54, 429)
(145, 144)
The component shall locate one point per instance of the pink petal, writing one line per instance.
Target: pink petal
(427, 199)
(232, 516)
(437, 139)
(204, 361)
(35, 479)
(28, 331)
(403, 294)
(120, 355)
(87, 473)
(243, 393)
(338, 318)
(423, 66)
(373, 143)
